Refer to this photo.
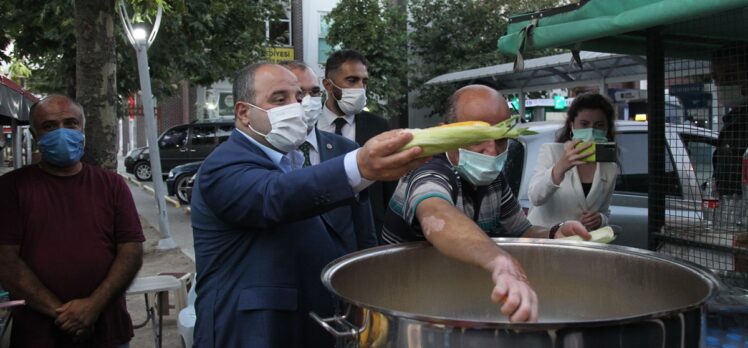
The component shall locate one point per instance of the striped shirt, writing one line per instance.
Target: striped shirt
(493, 208)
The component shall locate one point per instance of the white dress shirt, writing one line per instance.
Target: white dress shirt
(326, 122)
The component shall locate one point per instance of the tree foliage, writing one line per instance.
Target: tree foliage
(79, 48)
(378, 30)
(454, 35)
(201, 41)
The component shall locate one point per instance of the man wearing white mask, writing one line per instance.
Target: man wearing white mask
(459, 199)
(346, 77)
(352, 224)
(260, 242)
(730, 73)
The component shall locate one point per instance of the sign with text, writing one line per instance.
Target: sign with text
(279, 54)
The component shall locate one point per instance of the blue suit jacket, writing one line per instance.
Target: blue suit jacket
(260, 245)
(353, 224)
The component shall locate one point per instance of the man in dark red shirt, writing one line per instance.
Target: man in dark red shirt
(70, 242)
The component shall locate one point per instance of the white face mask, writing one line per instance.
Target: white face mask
(352, 101)
(287, 127)
(730, 96)
(312, 109)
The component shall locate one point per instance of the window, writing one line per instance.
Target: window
(278, 30)
(174, 138)
(224, 131)
(225, 104)
(323, 48)
(633, 160)
(203, 135)
(700, 152)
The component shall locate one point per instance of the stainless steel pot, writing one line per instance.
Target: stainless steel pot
(590, 295)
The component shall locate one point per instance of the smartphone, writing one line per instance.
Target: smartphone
(600, 152)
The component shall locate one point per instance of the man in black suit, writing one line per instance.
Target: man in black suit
(352, 224)
(346, 76)
(730, 74)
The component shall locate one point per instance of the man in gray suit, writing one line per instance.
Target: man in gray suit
(352, 224)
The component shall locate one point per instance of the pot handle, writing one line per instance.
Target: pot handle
(342, 320)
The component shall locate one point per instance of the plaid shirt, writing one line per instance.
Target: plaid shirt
(493, 208)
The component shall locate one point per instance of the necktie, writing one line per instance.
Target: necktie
(339, 123)
(305, 150)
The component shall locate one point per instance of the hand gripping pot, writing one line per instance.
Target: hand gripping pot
(591, 295)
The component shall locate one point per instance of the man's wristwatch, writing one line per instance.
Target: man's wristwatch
(554, 229)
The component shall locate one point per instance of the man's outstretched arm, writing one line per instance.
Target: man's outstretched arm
(457, 236)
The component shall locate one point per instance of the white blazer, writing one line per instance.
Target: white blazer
(556, 203)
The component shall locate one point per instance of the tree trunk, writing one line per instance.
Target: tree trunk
(96, 88)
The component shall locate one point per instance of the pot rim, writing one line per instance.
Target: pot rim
(710, 278)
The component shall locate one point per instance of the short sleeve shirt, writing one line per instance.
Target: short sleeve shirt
(493, 208)
(68, 230)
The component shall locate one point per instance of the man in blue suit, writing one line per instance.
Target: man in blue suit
(353, 224)
(260, 240)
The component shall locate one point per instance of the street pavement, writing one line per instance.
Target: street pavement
(179, 219)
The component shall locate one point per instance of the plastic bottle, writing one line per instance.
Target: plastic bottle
(709, 205)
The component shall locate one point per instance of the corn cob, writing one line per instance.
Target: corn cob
(439, 139)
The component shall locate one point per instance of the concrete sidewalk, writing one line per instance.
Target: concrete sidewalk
(179, 219)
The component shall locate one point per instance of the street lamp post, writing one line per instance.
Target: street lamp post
(140, 40)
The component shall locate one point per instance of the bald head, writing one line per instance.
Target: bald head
(308, 80)
(55, 111)
(477, 103)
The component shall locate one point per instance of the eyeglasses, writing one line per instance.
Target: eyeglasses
(314, 92)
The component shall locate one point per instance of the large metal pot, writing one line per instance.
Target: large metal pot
(590, 295)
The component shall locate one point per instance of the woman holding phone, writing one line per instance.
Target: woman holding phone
(566, 185)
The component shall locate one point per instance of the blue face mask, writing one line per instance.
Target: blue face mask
(590, 135)
(62, 147)
(479, 169)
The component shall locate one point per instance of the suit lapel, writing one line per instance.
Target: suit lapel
(240, 141)
(325, 147)
(335, 220)
(361, 130)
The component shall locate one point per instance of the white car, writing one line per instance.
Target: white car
(688, 167)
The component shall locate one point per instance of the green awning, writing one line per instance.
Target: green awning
(691, 28)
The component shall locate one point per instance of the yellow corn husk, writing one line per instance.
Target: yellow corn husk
(439, 139)
(465, 123)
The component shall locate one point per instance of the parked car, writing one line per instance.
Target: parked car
(179, 182)
(688, 166)
(179, 145)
